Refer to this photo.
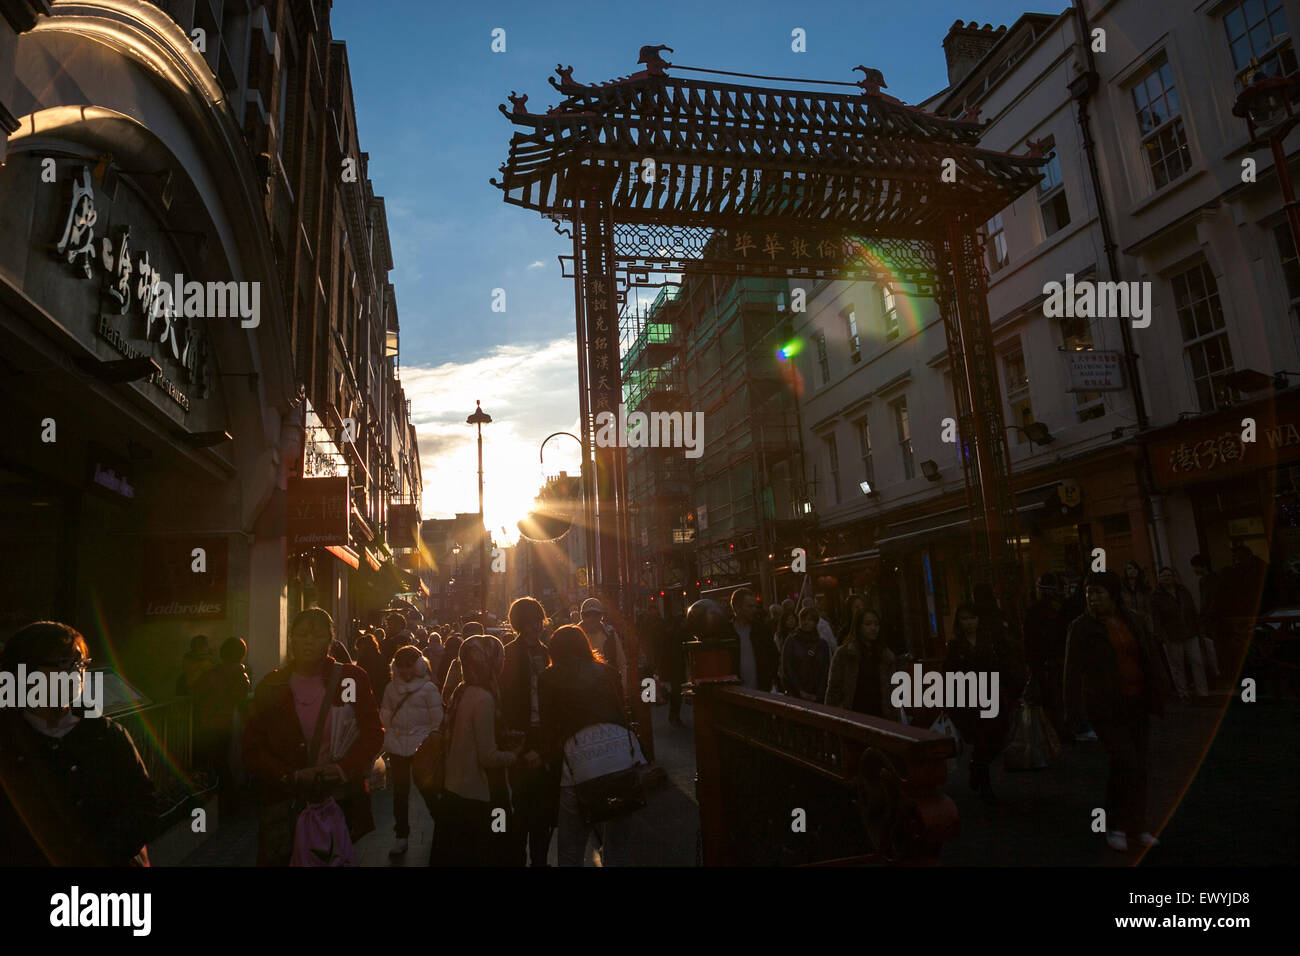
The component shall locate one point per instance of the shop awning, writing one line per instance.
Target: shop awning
(956, 522)
(870, 554)
(345, 554)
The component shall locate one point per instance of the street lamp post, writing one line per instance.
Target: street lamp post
(479, 419)
(1266, 106)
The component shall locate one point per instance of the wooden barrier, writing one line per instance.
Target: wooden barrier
(787, 782)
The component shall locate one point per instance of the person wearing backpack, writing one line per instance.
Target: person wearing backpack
(412, 709)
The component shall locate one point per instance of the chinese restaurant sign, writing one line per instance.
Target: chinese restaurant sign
(317, 512)
(138, 303)
(1207, 451)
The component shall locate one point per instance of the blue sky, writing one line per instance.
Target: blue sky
(427, 86)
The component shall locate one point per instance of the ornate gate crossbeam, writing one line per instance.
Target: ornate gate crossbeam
(725, 154)
(641, 249)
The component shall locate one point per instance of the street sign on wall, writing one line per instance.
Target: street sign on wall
(317, 512)
(1095, 371)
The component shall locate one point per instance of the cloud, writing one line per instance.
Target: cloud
(537, 264)
(530, 391)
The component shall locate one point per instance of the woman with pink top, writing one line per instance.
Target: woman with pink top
(313, 722)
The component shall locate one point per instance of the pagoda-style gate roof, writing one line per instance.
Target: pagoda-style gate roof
(729, 156)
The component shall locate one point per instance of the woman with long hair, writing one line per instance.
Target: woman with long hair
(300, 712)
(579, 690)
(861, 669)
(463, 832)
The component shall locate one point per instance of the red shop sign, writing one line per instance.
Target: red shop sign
(317, 512)
(1218, 447)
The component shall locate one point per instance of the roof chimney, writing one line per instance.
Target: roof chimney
(965, 45)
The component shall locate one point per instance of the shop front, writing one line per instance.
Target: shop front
(144, 428)
(1233, 478)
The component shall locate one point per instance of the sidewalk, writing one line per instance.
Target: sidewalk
(663, 834)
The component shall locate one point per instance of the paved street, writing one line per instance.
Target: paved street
(1239, 810)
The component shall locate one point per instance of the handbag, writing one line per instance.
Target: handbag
(321, 836)
(278, 821)
(611, 795)
(429, 763)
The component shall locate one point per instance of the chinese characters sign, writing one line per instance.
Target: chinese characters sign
(1214, 452)
(130, 279)
(317, 512)
(1095, 371)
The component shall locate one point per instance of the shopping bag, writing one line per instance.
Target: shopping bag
(1019, 752)
(1211, 657)
(321, 836)
(1043, 736)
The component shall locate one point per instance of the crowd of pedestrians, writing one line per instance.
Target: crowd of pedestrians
(515, 734)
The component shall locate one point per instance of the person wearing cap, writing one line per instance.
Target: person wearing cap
(1045, 626)
(603, 639)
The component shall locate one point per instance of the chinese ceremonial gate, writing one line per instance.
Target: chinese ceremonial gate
(658, 174)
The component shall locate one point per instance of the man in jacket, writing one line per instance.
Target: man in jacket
(534, 783)
(754, 653)
(1045, 626)
(1115, 678)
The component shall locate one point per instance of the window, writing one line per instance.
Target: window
(1258, 40)
(1205, 340)
(823, 363)
(889, 310)
(995, 244)
(1160, 124)
(1016, 376)
(1076, 335)
(855, 343)
(904, 428)
(864, 443)
(833, 454)
(1051, 197)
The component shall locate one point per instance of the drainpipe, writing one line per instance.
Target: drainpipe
(1082, 89)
